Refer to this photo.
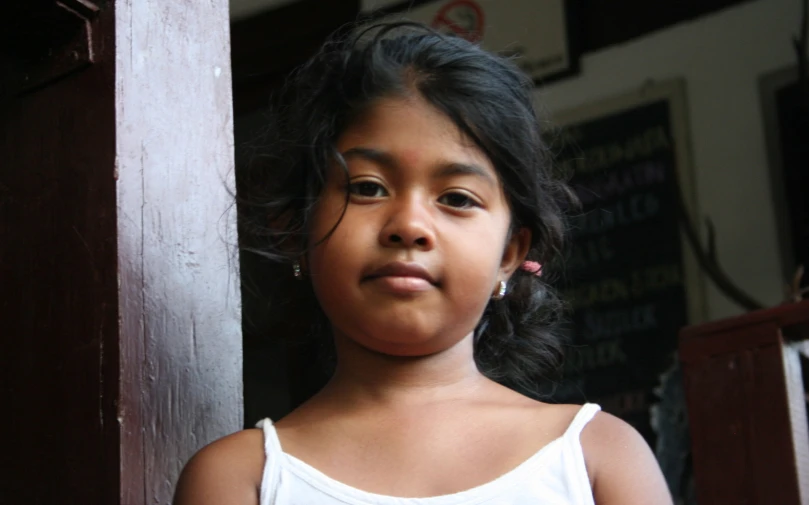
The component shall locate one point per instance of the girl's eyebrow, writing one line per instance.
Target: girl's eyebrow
(382, 158)
(453, 169)
(387, 161)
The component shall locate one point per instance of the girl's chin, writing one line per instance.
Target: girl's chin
(401, 349)
(407, 346)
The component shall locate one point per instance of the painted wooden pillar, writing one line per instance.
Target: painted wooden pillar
(120, 324)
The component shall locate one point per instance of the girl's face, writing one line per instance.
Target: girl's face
(425, 237)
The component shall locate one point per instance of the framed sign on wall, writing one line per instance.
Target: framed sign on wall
(535, 34)
(631, 279)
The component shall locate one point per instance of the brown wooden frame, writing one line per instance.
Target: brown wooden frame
(265, 48)
(746, 407)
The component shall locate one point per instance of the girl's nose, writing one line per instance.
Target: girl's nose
(409, 226)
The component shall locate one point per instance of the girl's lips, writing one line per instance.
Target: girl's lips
(402, 284)
(402, 269)
(402, 278)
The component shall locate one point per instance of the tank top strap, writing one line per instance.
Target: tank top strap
(272, 464)
(583, 416)
(575, 467)
(272, 445)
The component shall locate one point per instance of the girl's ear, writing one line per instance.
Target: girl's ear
(517, 247)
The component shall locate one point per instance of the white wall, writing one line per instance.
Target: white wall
(720, 56)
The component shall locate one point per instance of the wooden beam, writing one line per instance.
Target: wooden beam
(181, 362)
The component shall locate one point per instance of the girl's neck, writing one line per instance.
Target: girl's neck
(365, 378)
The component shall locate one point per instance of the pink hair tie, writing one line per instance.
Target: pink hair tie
(532, 267)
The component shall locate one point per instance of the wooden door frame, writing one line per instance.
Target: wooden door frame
(265, 49)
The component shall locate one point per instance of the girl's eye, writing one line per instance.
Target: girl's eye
(458, 201)
(366, 189)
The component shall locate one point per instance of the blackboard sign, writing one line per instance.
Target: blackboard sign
(625, 277)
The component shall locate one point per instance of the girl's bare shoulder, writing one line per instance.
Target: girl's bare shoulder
(621, 465)
(226, 471)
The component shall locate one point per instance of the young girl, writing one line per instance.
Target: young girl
(412, 195)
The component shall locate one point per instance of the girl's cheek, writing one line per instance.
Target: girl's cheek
(326, 214)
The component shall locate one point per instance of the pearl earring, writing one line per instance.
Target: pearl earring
(501, 291)
(296, 270)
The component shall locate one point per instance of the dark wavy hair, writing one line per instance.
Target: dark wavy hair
(489, 99)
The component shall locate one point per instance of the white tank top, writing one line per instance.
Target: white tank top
(556, 475)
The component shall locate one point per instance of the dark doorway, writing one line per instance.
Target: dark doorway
(280, 369)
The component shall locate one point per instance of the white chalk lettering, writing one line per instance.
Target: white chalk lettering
(624, 403)
(610, 323)
(618, 182)
(655, 278)
(600, 355)
(635, 209)
(601, 157)
(632, 285)
(605, 290)
(587, 253)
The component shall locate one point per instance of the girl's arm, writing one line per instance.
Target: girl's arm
(226, 472)
(622, 468)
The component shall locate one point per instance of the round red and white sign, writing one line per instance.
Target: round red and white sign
(461, 17)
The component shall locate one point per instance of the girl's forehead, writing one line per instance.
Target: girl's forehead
(410, 156)
(412, 130)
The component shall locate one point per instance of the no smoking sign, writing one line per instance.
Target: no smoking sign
(461, 17)
(532, 32)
